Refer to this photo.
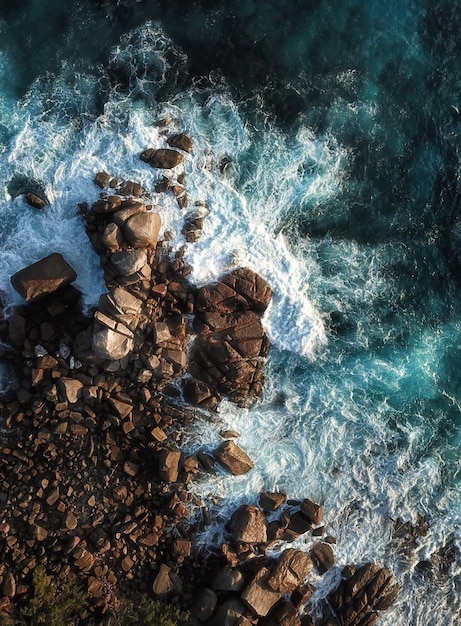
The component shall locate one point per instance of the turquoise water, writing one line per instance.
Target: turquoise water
(341, 122)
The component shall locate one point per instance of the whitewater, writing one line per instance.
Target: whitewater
(361, 406)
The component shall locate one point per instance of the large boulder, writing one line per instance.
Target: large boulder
(291, 569)
(164, 158)
(128, 262)
(181, 141)
(361, 593)
(248, 524)
(141, 230)
(43, 277)
(258, 596)
(233, 458)
(110, 344)
(240, 290)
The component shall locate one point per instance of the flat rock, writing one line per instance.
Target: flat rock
(164, 158)
(43, 277)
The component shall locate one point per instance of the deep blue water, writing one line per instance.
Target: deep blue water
(342, 120)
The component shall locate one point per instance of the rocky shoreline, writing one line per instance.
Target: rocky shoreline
(93, 481)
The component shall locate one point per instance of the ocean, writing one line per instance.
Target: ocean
(327, 137)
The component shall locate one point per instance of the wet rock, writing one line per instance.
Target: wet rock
(181, 141)
(248, 524)
(43, 277)
(291, 569)
(323, 556)
(36, 201)
(271, 501)
(313, 511)
(233, 458)
(240, 290)
(164, 158)
(102, 179)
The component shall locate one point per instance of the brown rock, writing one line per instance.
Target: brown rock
(323, 557)
(110, 344)
(248, 524)
(36, 201)
(164, 158)
(271, 501)
(70, 389)
(233, 458)
(102, 179)
(291, 569)
(128, 262)
(313, 511)
(181, 141)
(228, 579)
(43, 277)
(169, 465)
(71, 521)
(258, 596)
(166, 581)
(204, 605)
(229, 613)
(9, 585)
(142, 229)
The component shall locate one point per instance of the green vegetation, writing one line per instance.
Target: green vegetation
(59, 603)
(150, 612)
(54, 603)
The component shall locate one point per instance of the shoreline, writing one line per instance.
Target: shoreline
(113, 480)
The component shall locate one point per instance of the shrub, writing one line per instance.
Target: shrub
(54, 603)
(149, 612)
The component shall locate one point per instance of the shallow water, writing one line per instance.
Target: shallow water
(340, 122)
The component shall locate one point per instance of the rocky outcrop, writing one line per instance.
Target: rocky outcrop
(43, 277)
(230, 347)
(361, 593)
(163, 158)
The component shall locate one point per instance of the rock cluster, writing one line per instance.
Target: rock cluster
(93, 481)
(361, 593)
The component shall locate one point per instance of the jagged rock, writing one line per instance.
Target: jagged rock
(313, 511)
(361, 593)
(181, 141)
(70, 389)
(271, 500)
(204, 605)
(228, 579)
(197, 393)
(166, 581)
(248, 524)
(169, 465)
(141, 230)
(127, 262)
(240, 290)
(43, 277)
(291, 569)
(258, 596)
(233, 458)
(109, 344)
(323, 556)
